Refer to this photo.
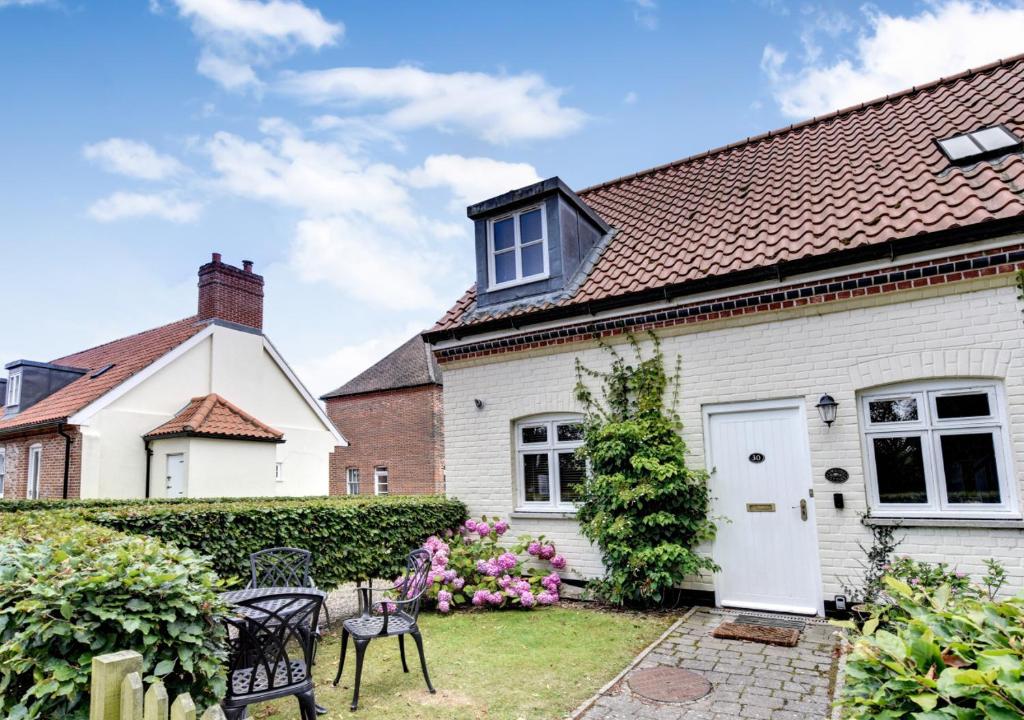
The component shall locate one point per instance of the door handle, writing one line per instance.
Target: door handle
(803, 510)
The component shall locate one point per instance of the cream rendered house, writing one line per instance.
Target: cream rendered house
(203, 407)
(842, 296)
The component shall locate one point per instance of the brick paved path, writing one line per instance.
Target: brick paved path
(749, 680)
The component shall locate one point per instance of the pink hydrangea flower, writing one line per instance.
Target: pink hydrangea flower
(458, 583)
(501, 527)
(444, 597)
(558, 562)
(551, 582)
(483, 529)
(480, 597)
(449, 575)
(547, 598)
(444, 607)
(496, 598)
(546, 552)
(533, 548)
(507, 561)
(504, 581)
(471, 525)
(527, 599)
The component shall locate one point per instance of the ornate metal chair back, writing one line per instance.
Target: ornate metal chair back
(281, 567)
(415, 580)
(270, 636)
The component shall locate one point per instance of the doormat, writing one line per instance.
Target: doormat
(784, 636)
(668, 684)
(771, 621)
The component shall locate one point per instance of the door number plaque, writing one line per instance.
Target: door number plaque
(756, 458)
(760, 507)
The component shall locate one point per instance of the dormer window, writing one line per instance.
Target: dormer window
(518, 247)
(14, 389)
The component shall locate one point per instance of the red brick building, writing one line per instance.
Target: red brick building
(392, 416)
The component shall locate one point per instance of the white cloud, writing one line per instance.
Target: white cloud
(645, 13)
(240, 35)
(328, 372)
(132, 158)
(897, 52)
(229, 74)
(260, 22)
(499, 108)
(472, 179)
(23, 3)
(166, 206)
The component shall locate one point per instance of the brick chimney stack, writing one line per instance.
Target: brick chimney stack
(231, 294)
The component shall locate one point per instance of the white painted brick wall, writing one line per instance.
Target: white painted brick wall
(968, 329)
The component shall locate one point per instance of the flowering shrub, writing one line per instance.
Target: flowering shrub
(470, 566)
(928, 577)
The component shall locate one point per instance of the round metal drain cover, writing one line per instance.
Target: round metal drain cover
(669, 684)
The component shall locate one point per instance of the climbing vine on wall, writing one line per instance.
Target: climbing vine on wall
(643, 507)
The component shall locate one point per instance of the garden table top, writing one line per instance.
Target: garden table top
(233, 597)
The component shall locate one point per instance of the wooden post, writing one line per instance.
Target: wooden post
(156, 702)
(108, 672)
(183, 708)
(131, 697)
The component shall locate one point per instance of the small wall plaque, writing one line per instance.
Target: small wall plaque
(760, 507)
(756, 458)
(837, 475)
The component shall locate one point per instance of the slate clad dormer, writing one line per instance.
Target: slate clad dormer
(29, 382)
(532, 241)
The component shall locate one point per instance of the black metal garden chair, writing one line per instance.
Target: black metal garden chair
(281, 567)
(271, 651)
(401, 621)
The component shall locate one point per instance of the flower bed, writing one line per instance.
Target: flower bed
(472, 567)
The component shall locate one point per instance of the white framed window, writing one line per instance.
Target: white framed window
(279, 472)
(35, 463)
(352, 480)
(549, 475)
(938, 448)
(380, 480)
(3, 470)
(14, 388)
(517, 247)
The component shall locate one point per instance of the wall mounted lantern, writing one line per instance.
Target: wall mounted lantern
(827, 407)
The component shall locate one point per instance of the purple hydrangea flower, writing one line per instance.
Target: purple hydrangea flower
(496, 598)
(504, 582)
(449, 575)
(558, 562)
(458, 583)
(551, 582)
(527, 599)
(443, 607)
(471, 525)
(533, 548)
(484, 529)
(546, 552)
(501, 527)
(444, 597)
(547, 598)
(507, 561)
(480, 597)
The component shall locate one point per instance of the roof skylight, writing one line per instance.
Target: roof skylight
(980, 144)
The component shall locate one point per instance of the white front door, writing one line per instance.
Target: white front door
(176, 475)
(767, 543)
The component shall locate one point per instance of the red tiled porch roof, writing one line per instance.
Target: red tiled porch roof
(213, 416)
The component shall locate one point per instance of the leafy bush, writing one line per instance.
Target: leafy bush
(470, 567)
(943, 657)
(643, 507)
(70, 590)
(351, 539)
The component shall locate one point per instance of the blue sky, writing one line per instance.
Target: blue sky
(337, 144)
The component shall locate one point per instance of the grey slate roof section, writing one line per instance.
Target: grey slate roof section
(412, 364)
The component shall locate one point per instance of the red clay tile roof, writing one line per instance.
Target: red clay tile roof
(128, 355)
(411, 364)
(213, 416)
(862, 176)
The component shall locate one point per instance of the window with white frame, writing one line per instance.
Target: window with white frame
(3, 470)
(938, 448)
(14, 389)
(550, 476)
(380, 480)
(352, 477)
(279, 472)
(35, 462)
(518, 247)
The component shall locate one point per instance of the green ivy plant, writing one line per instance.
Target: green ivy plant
(642, 506)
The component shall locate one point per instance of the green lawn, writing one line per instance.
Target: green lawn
(511, 664)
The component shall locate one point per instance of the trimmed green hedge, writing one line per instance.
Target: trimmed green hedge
(70, 590)
(351, 539)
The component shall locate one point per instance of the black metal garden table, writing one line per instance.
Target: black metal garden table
(274, 606)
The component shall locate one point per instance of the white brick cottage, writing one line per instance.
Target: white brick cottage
(870, 256)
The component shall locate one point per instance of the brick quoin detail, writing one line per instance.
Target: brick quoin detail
(230, 293)
(51, 475)
(887, 280)
(402, 430)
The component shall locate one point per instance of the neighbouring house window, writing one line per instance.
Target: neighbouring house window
(380, 480)
(14, 389)
(35, 461)
(352, 475)
(3, 470)
(938, 448)
(518, 247)
(278, 472)
(549, 474)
